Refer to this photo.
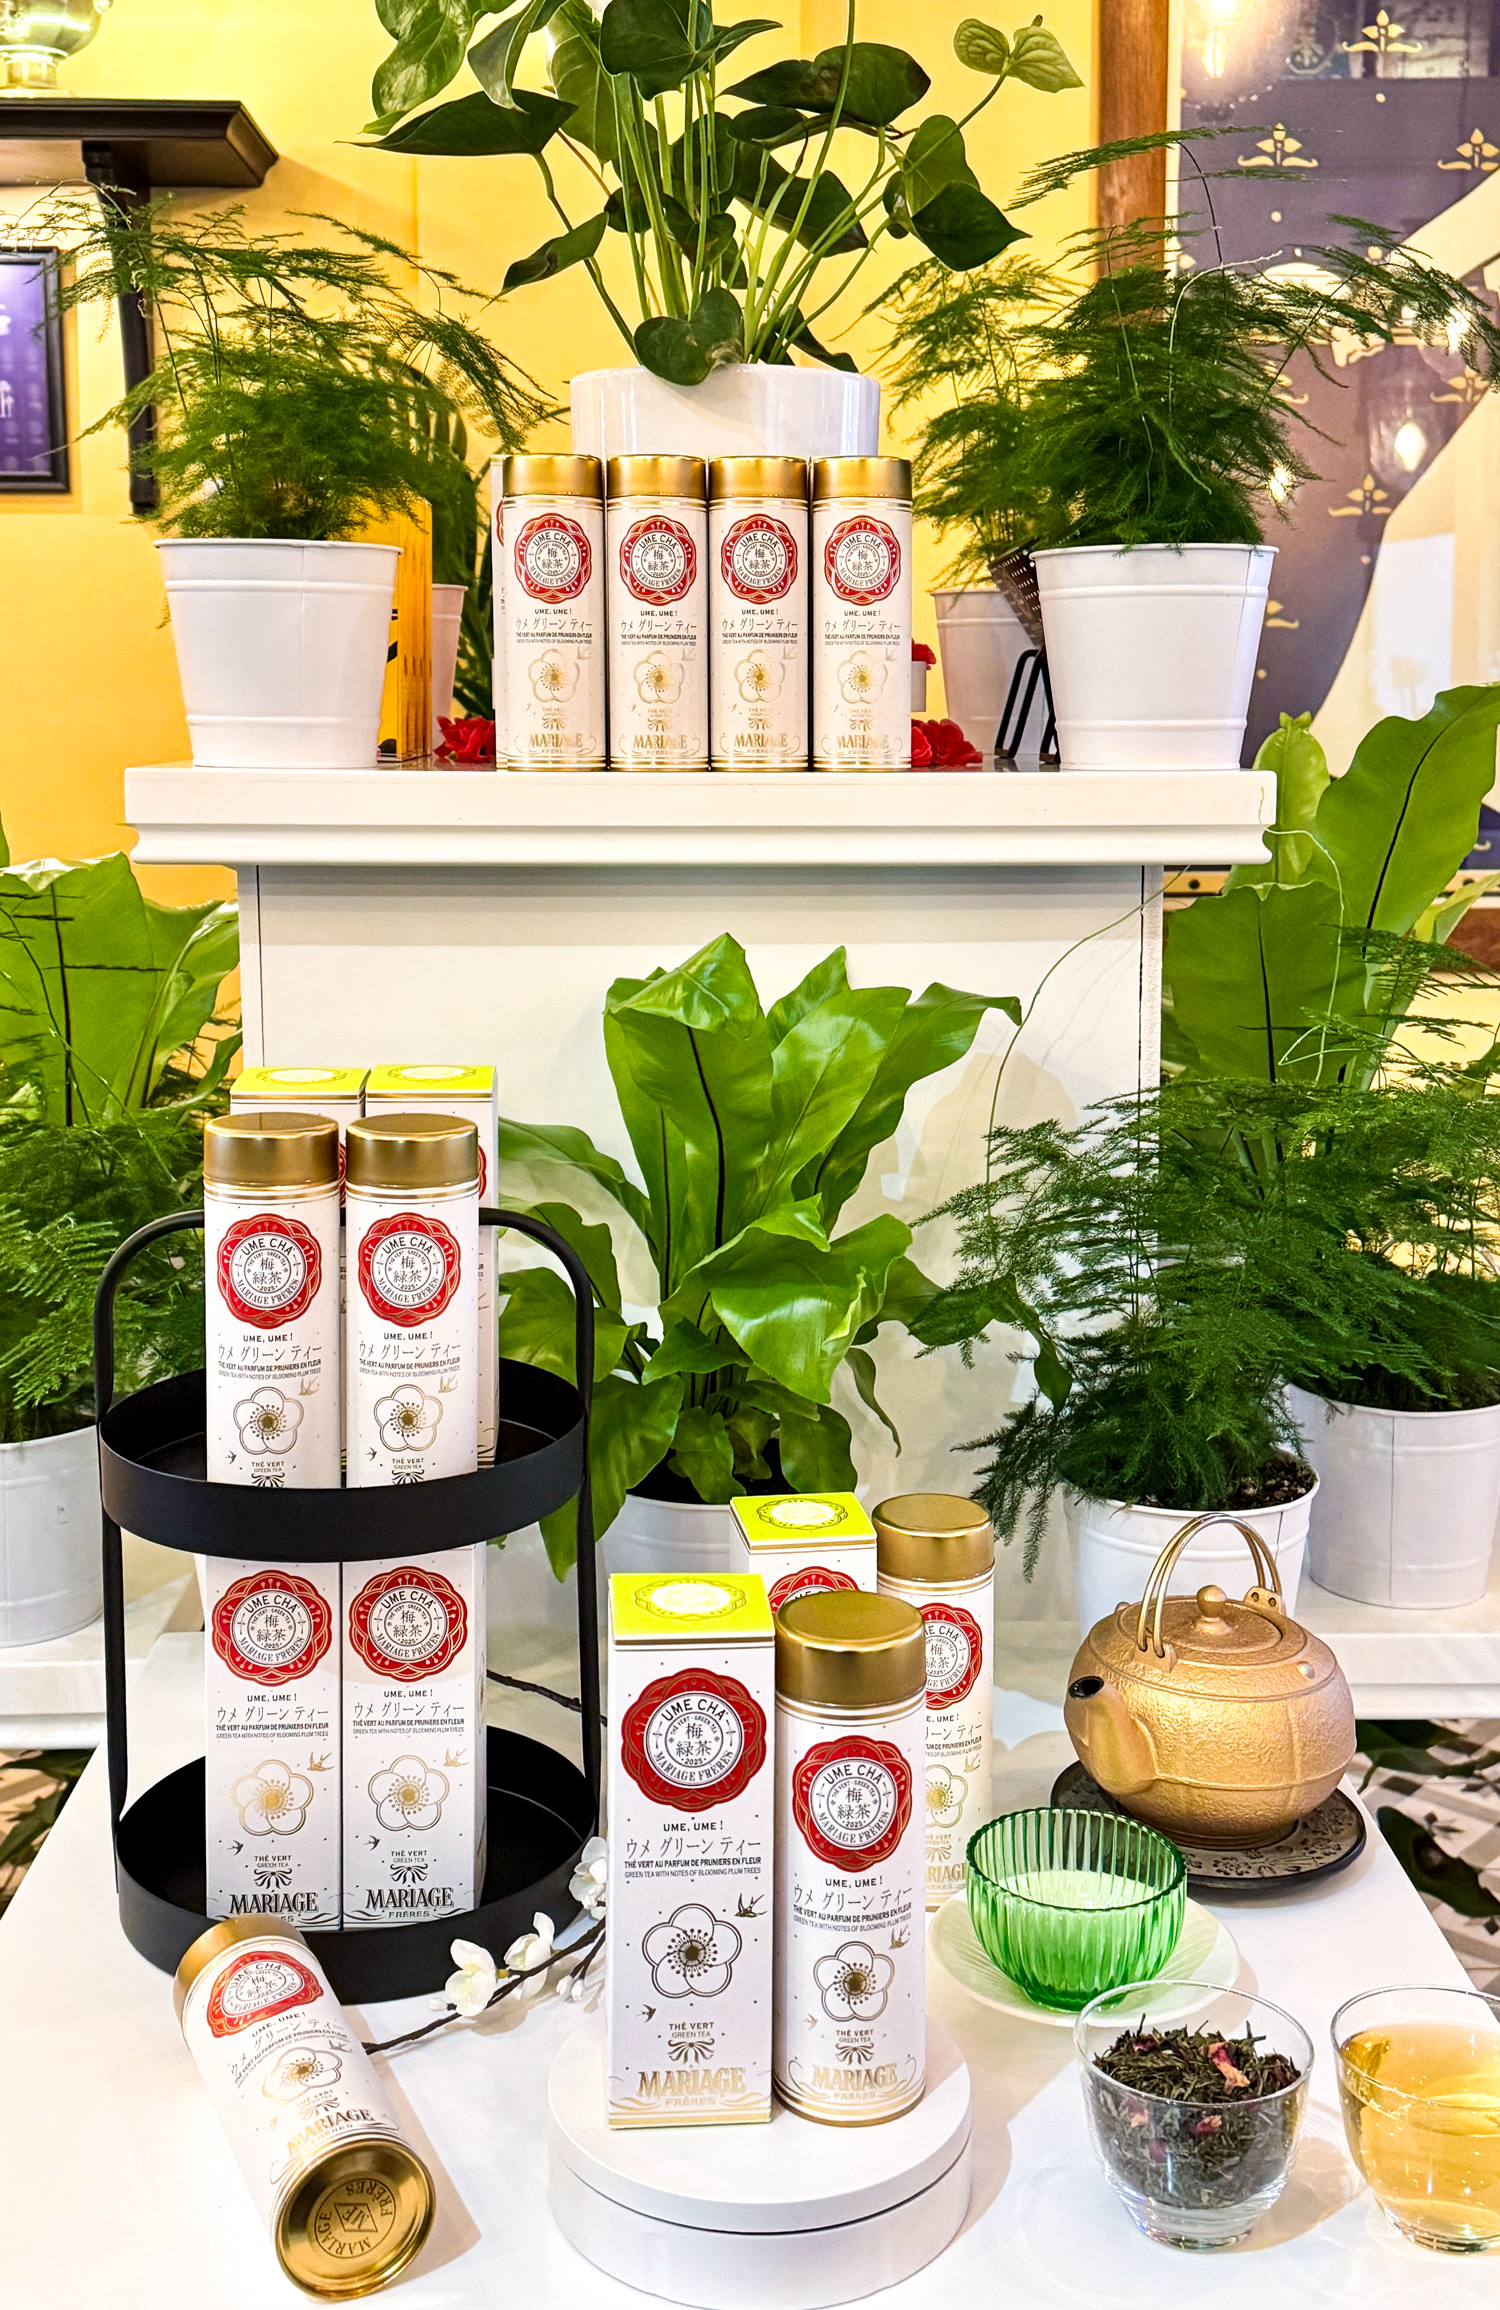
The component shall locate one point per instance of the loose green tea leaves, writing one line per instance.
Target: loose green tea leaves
(1185, 2119)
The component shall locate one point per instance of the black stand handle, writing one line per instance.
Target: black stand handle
(113, 1562)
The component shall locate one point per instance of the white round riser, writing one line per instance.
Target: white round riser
(761, 2270)
(791, 2215)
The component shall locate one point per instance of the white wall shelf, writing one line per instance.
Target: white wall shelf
(468, 818)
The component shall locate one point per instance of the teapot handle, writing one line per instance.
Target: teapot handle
(1166, 1564)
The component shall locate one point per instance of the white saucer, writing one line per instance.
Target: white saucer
(1206, 1952)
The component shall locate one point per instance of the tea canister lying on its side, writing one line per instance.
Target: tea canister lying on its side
(412, 1366)
(800, 1542)
(691, 1808)
(938, 1553)
(861, 613)
(656, 525)
(850, 2034)
(553, 515)
(347, 2202)
(757, 600)
(271, 1246)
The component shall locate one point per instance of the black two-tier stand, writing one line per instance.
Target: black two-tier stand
(542, 1808)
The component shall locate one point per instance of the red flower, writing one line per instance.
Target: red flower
(468, 741)
(921, 655)
(942, 746)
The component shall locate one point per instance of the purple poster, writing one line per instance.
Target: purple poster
(33, 452)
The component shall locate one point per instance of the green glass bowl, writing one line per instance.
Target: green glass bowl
(1069, 1904)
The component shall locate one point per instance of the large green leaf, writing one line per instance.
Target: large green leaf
(828, 977)
(630, 1433)
(688, 1350)
(684, 351)
(703, 1452)
(822, 1069)
(493, 60)
(1301, 769)
(935, 157)
(99, 985)
(550, 1143)
(556, 255)
(815, 1450)
(537, 1324)
(1037, 57)
(883, 83)
(646, 41)
(430, 36)
(1264, 981)
(963, 228)
(861, 1367)
(472, 126)
(581, 82)
(1402, 820)
(593, 1244)
(796, 1309)
(830, 222)
(935, 1030)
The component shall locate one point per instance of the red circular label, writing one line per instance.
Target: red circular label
(758, 559)
(851, 1799)
(553, 559)
(693, 1740)
(862, 560)
(408, 1268)
(257, 1984)
(270, 1628)
(269, 1269)
(955, 1653)
(658, 560)
(806, 1582)
(408, 1625)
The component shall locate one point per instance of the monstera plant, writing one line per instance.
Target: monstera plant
(751, 1130)
(726, 242)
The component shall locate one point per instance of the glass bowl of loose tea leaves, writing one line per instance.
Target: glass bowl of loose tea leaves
(1194, 2097)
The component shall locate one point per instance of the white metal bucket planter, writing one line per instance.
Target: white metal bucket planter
(281, 649)
(1407, 1501)
(979, 640)
(1152, 651)
(745, 409)
(669, 1536)
(49, 1537)
(1115, 1548)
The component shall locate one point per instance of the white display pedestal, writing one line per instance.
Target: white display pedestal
(785, 2216)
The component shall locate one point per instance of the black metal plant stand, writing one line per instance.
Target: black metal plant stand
(542, 1808)
(1030, 668)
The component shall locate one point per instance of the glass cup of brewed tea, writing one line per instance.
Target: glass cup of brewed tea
(1419, 2080)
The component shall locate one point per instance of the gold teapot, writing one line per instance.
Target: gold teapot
(1218, 1723)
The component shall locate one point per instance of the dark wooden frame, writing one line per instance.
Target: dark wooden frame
(57, 480)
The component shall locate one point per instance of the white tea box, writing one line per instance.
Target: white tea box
(271, 1740)
(414, 1747)
(469, 1092)
(692, 1675)
(801, 1542)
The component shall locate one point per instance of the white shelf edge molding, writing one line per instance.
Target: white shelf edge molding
(381, 818)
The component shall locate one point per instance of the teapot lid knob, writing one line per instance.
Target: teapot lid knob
(1211, 1621)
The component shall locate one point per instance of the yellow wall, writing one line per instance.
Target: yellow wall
(86, 670)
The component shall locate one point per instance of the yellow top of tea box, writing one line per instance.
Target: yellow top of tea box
(430, 1081)
(263, 1086)
(800, 1519)
(689, 1608)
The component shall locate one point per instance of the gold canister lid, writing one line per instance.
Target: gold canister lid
(861, 477)
(850, 1648)
(263, 1148)
(538, 476)
(931, 1538)
(355, 2220)
(217, 1939)
(757, 477)
(656, 477)
(408, 1153)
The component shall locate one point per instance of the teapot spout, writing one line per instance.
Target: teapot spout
(1110, 1743)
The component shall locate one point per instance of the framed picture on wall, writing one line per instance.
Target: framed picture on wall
(33, 403)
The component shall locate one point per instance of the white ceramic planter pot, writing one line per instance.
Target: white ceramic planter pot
(1152, 652)
(668, 1536)
(747, 409)
(979, 641)
(1407, 1501)
(447, 617)
(1115, 1548)
(281, 649)
(49, 1537)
